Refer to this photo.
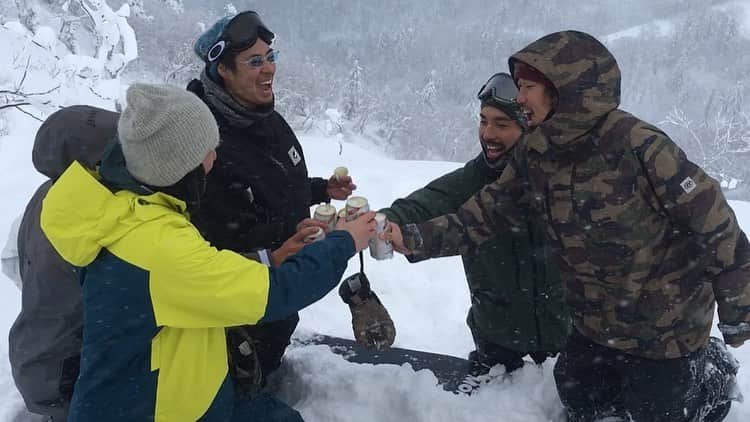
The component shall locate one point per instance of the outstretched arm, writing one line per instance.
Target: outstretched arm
(493, 209)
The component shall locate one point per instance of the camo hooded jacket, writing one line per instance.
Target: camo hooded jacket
(646, 241)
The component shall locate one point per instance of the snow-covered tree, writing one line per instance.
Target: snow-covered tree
(719, 141)
(43, 74)
(354, 92)
(428, 93)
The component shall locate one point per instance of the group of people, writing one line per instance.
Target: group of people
(164, 262)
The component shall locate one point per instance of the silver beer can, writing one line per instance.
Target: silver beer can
(327, 214)
(380, 249)
(356, 206)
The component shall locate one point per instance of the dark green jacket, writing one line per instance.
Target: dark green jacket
(516, 295)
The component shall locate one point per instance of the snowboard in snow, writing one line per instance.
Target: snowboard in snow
(454, 374)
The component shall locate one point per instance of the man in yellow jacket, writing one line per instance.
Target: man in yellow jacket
(157, 297)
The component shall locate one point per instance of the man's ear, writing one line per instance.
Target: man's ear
(223, 70)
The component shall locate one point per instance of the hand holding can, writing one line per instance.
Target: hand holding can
(361, 228)
(340, 185)
(320, 234)
(326, 213)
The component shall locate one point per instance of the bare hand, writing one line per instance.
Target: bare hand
(311, 222)
(362, 229)
(340, 187)
(292, 245)
(737, 345)
(393, 234)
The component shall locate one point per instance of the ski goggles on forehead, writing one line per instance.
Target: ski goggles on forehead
(499, 88)
(240, 33)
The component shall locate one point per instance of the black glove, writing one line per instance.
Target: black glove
(244, 366)
(373, 327)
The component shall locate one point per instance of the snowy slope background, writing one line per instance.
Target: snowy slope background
(428, 301)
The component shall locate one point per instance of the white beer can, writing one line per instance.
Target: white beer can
(356, 206)
(327, 214)
(380, 249)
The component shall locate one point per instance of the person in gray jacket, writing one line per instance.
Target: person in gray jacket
(45, 340)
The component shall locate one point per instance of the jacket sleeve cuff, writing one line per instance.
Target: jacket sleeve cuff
(735, 333)
(265, 257)
(318, 187)
(262, 255)
(392, 216)
(414, 241)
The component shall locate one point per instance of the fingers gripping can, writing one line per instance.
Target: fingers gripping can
(380, 249)
(327, 214)
(356, 206)
(318, 235)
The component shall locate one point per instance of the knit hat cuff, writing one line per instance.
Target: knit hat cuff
(524, 71)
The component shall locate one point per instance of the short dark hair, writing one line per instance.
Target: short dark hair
(228, 59)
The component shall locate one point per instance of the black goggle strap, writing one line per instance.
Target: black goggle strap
(242, 31)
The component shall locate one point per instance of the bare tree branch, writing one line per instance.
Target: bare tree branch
(29, 114)
(25, 73)
(4, 106)
(32, 94)
(29, 94)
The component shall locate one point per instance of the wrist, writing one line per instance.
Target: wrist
(278, 256)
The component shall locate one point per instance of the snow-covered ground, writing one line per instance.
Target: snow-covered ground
(427, 301)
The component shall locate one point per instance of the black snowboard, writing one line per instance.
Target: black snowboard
(454, 374)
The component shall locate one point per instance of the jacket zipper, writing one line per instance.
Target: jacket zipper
(535, 292)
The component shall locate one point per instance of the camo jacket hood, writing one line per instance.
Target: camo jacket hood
(586, 77)
(647, 244)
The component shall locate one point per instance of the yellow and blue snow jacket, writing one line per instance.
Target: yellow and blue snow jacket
(157, 298)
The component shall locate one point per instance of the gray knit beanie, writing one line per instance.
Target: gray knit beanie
(165, 133)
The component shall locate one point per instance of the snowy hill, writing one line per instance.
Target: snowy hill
(427, 301)
(740, 9)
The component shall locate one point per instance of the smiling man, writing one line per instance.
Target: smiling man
(516, 299)
(647, 246)
(259, 193)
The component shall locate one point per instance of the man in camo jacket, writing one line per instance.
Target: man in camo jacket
(646, 242)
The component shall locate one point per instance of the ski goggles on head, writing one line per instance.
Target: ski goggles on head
(500, 88)
(240, 33)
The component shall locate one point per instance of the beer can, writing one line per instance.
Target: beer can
(340, 172)
(380, 249)
(356, 206)
(319, 235)
(327, 214)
